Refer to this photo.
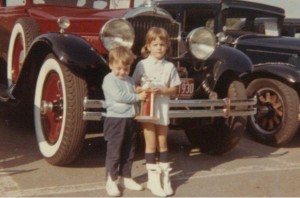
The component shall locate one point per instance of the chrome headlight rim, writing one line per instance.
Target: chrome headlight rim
(113, 38)
(201, 42)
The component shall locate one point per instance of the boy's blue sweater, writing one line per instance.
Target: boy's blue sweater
(120, 97)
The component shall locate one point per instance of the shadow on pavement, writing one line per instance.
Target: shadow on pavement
(17, 141)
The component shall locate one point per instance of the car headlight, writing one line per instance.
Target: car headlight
(201, 42)
(117, 32)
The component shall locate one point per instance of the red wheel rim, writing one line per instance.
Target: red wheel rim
(52, 118)
(17, 58)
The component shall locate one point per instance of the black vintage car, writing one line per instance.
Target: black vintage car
(291, 27)
(256, 30)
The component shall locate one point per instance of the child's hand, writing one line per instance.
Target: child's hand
(155, 90)
(142, 95)
(166, 90)
(138, 89)
(159, 91)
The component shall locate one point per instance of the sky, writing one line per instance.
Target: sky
(292, 7)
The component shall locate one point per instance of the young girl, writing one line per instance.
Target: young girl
(159, 76)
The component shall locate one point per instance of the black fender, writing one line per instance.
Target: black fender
(71, 50)
(225, 63)
(230, 59)
(282, 71)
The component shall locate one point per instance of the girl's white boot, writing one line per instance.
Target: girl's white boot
(165, 167)
(154, 183)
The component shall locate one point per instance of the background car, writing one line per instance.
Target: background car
(291, 27)
(54, 57)
(256, 30)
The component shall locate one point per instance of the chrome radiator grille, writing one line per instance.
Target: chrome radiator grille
(141, 25)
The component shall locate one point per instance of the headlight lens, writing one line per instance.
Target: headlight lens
(117, 32)
(201, 42)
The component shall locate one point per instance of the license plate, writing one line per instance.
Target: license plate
(186, 89)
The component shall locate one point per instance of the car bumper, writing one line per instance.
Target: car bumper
(95, 109)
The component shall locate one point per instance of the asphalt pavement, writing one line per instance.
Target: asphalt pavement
(250, 169)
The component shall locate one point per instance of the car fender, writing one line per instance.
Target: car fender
(281, 71)
(225, 62)
(74, 52)
(231, 59)
(228, 60)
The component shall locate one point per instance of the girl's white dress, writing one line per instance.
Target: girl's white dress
(153, 73)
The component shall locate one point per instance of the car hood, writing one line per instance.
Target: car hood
(86, 21)
(285, 44)
(73, 13)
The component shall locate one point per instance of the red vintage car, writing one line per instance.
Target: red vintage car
(53, 57)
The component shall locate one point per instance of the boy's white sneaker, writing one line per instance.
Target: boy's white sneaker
(130, 184)
(112, 188)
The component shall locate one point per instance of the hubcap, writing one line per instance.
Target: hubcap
(52, 107)
(270, 110)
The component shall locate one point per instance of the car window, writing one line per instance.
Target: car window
(138, 3)
(119, 4)
(269, 27)
(235, 23)
(15, 3)
(230, 24)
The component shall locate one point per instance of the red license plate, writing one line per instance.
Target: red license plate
(186, 89)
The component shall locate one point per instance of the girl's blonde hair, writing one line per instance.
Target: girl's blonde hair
(152, 34)
(122, 54)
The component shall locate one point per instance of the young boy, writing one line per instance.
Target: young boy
(119, 125)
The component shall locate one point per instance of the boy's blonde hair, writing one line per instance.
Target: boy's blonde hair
(152, 34)
(122, 54)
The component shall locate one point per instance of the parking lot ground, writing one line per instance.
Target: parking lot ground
(250, 169)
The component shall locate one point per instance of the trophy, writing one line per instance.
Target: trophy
(147, 110)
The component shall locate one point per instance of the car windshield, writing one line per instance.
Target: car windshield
(96, 4)
(263, 25)
(268, 26)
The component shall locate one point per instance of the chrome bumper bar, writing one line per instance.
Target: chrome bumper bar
(95, 109)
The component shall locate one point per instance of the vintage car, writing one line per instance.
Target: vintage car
(54, 57)
(255, 29)
(291, 27)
